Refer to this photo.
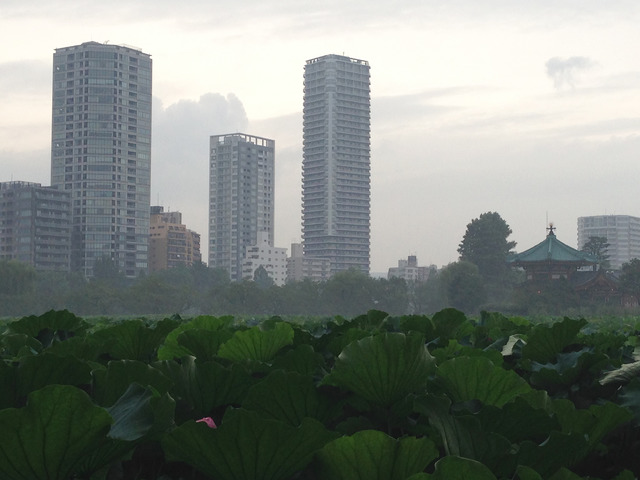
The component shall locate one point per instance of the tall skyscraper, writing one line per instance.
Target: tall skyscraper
(241, 197)
(621, 231)
(101, 151)
(336, 192)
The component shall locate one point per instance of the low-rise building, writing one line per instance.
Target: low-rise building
(272, 259)
(300, 267)
(171, 243)
(410, 271)
(35, 225)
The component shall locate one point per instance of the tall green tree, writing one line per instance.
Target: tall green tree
(630, 278)
(486, 244)
(598, 247)
(462, 286)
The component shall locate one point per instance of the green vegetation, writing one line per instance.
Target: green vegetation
(376, 396)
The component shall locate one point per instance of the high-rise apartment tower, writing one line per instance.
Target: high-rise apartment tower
(241, 197)
(101, 151)
(621, 231)
(336, 196)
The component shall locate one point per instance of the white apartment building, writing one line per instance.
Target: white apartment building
(410, 271)
(241, 198)
(336, 196)
(263, 254)
(621, 231)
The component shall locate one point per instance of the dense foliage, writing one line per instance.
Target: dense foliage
(374, 397)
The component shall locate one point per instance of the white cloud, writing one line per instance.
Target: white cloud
(565, 72)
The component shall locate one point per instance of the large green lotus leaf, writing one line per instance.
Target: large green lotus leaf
(171, 349)
(463, 435)
(84, 347)
(139, 414)
(383, 368)
(450, 324)
(629, 398)
(527, 473)
(206, 385)
(302, 359)
(458, 468)
(287, 396)
(111, 382)
(50, 326)
(593, 423)
(477, 378)
(255, 344)
(134, 339)
(19, 344)
(371, 454)
(545, 342)
(47, 438)
(564, 474)
(557, 451)
(203, 344)
(247, 447)
(46, 369)
(8, 385)
(518, 421)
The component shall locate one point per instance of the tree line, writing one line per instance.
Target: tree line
(479, 280)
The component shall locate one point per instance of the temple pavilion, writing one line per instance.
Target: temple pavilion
(552, 260)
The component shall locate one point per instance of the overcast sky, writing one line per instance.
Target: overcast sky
(529, 109)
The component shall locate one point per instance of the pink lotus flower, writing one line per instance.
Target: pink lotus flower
(209, 421)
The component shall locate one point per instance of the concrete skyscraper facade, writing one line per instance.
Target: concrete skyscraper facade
(621, 231)
(101, 151)
(336, 192)
(241, 198)
(35, 225)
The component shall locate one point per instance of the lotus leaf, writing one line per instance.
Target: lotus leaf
(172, 349)
(256, 344)
(289, 397)
(111, 382)
(458, 468)
(477, 378)
(383, 368)
(47, 438)
(545, 342)
(247, 447)
(371, 454)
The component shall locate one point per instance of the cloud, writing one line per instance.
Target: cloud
(25, 76)
(564, 71)
(180, 155)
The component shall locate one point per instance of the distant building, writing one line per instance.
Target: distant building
(336, 167)
(410, 271)
(35, 225)
(621, 231)
(241, 198)
(171, 243)
(101, 151)
(272, 259)
(300, 267)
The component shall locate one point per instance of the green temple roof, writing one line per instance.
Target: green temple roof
(552, 250)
